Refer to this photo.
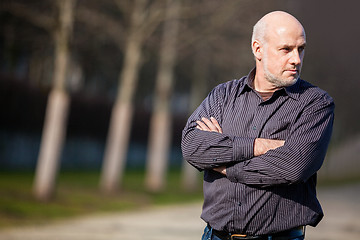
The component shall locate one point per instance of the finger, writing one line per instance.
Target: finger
(282, 142)
(209, 124)
(278, 143)
(217, 169)
(216, 124)
(198, 126)
(203, 126)
(221, 170)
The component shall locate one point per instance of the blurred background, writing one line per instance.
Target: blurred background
(94, 94)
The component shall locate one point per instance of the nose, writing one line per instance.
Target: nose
(295, 58)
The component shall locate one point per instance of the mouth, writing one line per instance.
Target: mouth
(293, 71)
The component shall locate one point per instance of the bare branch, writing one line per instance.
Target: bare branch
(124, 7)
(23, 11)
(110, 26)
(217, 16)
(148, 27)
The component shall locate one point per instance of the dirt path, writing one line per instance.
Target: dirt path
(341, 206)
(342, 214)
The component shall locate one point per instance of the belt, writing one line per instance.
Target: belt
(285, 235)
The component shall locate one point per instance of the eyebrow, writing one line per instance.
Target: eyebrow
(303, 45)
(291, 46)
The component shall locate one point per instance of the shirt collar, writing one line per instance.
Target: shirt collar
(248, 81)
(294, 90)
(291, 91)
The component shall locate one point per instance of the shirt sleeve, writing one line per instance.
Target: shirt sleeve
(206, 150)
(301, 156)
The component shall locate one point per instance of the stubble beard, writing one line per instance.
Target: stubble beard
(277, 81)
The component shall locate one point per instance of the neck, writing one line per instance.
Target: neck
(261, 84)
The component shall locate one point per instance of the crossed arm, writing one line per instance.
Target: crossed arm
(258, 161)
(261, 145)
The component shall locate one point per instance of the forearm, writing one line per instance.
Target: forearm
(296, 161)
(261, 146)
(206, 150)
(279, 166)
(234, 150)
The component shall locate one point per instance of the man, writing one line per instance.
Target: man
(260, 141)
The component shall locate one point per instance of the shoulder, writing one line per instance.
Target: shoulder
(229, 88)
(311, 94)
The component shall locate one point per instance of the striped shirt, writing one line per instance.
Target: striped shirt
(272, 192)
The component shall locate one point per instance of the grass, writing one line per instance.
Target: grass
(78, 194)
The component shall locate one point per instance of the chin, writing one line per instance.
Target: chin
(289, 83)
(281, 82)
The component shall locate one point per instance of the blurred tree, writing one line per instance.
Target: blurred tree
(28, 33)
(160, 125)
(58, 101)
(57, 108)
(144, 18)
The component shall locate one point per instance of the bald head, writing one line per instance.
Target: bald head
(275, 22)
(278, 45)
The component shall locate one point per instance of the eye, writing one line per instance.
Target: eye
(285, 49)
(301, 49)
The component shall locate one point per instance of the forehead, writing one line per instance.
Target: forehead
(287, 35)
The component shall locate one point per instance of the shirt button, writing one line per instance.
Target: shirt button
(214, 159)
(239, 203)
(254, 127)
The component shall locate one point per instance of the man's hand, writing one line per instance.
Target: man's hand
(211, 125)
(221, 170)
(262, 145)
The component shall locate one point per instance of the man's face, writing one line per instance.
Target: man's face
(283, 56)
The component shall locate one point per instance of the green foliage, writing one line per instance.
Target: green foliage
(78, 194)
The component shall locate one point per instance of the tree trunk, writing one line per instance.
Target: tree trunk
(190, 176)
(51, 144)
(160, 125)
(57, 109)
(122, 112)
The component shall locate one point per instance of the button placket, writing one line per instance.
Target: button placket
(257, 121)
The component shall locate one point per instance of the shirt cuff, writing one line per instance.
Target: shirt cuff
(243, 148)
(235, 173)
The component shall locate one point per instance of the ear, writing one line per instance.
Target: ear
(257, 49)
